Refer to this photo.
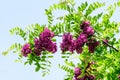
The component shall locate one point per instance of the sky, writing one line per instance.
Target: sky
(23, 13)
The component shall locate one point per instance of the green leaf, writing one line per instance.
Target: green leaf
(37, 68)
(69, 63)
(92, 7)
(16, 47)
(83, 6)
(5, 53)
(26, 63)
(50, 56)
(18, 31)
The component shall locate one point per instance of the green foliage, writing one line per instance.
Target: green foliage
(92, 7)
(16, 47)
(118, 3)
(33, 31)
(63, 5)
(41, 62)
(18, 31)
(68, 70)
(83, 6)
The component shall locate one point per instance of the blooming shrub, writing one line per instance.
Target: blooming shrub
(92, 37)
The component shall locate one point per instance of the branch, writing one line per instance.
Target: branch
(110, 46)
(58, 35)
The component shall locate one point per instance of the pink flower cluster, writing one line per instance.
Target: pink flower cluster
(26, 50)
(44, 42)
(92, 44)
(68, 44)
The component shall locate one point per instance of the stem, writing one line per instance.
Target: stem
(108, 43)
(58, 35)
(110, 46)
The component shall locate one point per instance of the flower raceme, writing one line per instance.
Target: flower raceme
(44, 42)
(26, 50)
(92, 44)
(77, 72)
(87, 29)
(68, 44)
(84, 24)
(81, 40)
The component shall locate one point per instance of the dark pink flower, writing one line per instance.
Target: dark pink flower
(92, 45)
(88, 30)
(26, 50)
(67, 43)
(91, 77)
(77, 71)
(81, 40)
(79, 49)
(46, 34)
(44, 42)
(85, 24)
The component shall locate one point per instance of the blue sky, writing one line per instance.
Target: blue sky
(23, 13)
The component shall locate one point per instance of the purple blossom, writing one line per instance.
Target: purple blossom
(67, 43)
(79, 49)
(84, 78)
(44, 42)
(85, 24)
(51, 47)
(75, 78)
(37, 51)
(72, 46)
(46, 34)
(88, 30)
(92, 45)
(77, 71)
(26, 50)
(81, 40)
(91, 77)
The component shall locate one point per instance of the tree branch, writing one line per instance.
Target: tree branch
(110, 46)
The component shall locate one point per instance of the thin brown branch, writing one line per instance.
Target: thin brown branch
(110, 46)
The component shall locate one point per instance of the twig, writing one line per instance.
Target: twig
(58, 35)
(108, 44)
